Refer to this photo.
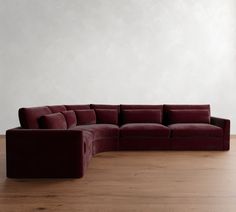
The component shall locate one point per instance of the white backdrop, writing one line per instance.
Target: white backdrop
(117, 51)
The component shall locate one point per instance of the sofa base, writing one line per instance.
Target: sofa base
(197, 143)
(138, 143)
(45, 154)
(105, 144)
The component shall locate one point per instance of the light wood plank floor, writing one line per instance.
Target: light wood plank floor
(131, 181)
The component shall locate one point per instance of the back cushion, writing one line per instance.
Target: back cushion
(57, 108)
(142, 116)
(29, 117)
(85, 117)
(106, 116)
(53, 121)
(70, 118)
(141, 107)
(107, 106)
(77, 107)
(188, 116)
(169, 107)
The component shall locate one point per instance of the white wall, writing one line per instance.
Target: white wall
(117, 51)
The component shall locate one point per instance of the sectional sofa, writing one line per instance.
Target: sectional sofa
(59, 141)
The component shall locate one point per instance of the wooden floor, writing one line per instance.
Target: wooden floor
(131, 181)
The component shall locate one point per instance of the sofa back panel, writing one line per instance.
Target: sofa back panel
(29, 117)
(172, 113)
(138, 107)
(77, 107)
(57, 108)
(125, 107)
(103, 106)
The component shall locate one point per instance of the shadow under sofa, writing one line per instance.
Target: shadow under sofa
(59, 141)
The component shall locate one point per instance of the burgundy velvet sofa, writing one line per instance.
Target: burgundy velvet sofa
(59, 141)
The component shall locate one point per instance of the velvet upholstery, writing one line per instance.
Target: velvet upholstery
(189, 116)
(77, 107)
(105, 144)
(167, 108)
(87, 148)
(106, 116)
(32, 152)
(225, 125)
(100, 130)
(144, 130)
(196, 143)
(57, 108)
(29, 117)
(85, 117)
(144, 143)
(141, 116)
(105, 136)
(103, 106)
(140, 107)
(53, 121)
(144, 136)
(70, 118)
(195, 130)
(126, 107)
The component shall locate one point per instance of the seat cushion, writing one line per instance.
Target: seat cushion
(195, 129)
(144, 129)
(100, 130)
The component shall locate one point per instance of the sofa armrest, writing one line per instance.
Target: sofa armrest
(44, 153)
(225, 125)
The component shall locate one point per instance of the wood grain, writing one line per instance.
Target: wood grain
(202, 181)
